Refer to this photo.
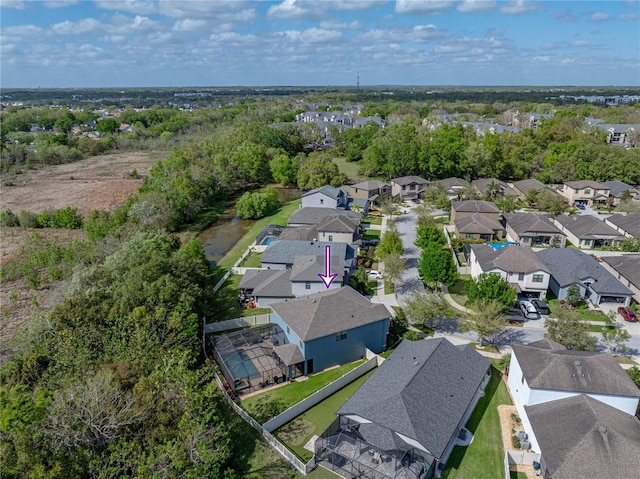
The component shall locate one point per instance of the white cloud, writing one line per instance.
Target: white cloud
(124, 25)
(518, 7)
(599, 17)
(296, 9)
(86, 25)
(337, 25)
(628, 17)
(429, 7)
(542, 59)
(468, 6)
(566, 15)
(233, 38)
(140, 7)
(311, 35)
(353, 4)
(59, 3)
(579, 43)
(189, 25)
(15, 4)
(113, 38)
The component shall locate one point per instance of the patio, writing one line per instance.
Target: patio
(347, 454)
(248, 358)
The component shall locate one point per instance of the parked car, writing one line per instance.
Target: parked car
(515, 314)
(373, 274)
(529, 310)
(541, 306)
(628, 314)
(580, 206)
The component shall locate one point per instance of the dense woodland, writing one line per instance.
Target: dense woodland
(113, 382)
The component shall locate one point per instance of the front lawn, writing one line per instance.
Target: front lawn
(372, 221)
(313, 422)
(484, 457)
(371, 234)
(583, 313)
(457, 290)
(296, 391)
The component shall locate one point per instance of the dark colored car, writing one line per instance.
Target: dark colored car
(628, 314)
(580, 206)
(541, 306)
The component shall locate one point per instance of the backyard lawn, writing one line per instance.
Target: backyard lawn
(254, 260)
(484, 457)
(314, 421)
(371, 234)
(226, 301)
(372, 221)
(296, 391)
(457, 290)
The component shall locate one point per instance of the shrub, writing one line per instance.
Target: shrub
(9, 218)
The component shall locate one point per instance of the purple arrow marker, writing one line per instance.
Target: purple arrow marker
(327, 278)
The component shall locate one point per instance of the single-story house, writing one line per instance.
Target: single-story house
(493, 187)
(519, 265)
(532, 229)
(333, 327)
(462, 209)
(324, 197)
(454, 186)
(405, 418)
(408, 187)
(569, 266)
(312, 216)
(628, 225)
(585, 192)
(370, 190)
(582, 438)
(618, 188)
(587, 231)
(627, 270)
(282, 253)
(479, 226)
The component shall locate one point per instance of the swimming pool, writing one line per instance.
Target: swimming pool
(268, 240)
(240, 366)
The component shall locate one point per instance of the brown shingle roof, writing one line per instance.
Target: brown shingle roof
(476, 206)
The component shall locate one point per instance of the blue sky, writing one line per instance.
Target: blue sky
(135, 43)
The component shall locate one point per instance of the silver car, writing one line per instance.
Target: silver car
(529, 310)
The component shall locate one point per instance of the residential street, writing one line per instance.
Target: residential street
(532, 330)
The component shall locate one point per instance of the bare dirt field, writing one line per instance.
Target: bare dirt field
(97, 183)
(100, 182)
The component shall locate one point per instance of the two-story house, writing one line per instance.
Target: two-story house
(371, 190)
(338, 228)
(519, 265)
(408, 187)
(324, 197)
(474, 219)
(533, 229)
(585, 192)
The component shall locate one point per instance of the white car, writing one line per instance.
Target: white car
(529, 310)
(373, 274)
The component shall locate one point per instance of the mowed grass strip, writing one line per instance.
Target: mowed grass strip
(316, 420)
(296, 391)
(484, 457)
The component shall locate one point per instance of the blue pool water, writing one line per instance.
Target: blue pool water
(268, 240)
(240, 366)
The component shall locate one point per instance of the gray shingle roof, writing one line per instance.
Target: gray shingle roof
(314, 215)
(627, 265)
(482, 184)
(285, 251)
(583, 438)
(616, 188)
(530, 184)
(407, 180)
(569, 265)
(581, 184)
(477, 223)
(277, 285)
(476, 206)
(338, 224)
(289, 353)
(300, 233)
(511, 259)
(450, 183)
(306, 268)
(370, 185)
(421, 391)
(330, 191)
(629, 223)
(531, 223)
(571, 370)
(588, 227)
(329, 312)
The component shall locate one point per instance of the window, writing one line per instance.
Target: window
(537, 278)
(469, 235)
(587, 191)
(520, 276)
(522, 379)
(288, 330)
(330, 237)
(341, 335)
(307, 285)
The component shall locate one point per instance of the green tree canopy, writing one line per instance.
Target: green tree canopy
(490, 286)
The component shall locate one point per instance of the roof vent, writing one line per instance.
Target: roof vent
(577, 363)
(313, 300)
(602, 428)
